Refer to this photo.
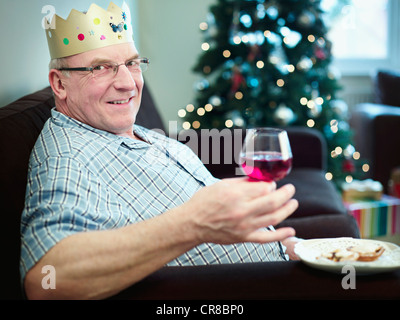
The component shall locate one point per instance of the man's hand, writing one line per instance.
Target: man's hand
(234, 210)
(289, 243)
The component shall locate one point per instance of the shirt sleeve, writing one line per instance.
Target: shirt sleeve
(62, 198)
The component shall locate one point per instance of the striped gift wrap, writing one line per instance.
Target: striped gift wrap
(376, 218)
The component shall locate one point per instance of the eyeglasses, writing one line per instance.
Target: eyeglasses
(109, 69)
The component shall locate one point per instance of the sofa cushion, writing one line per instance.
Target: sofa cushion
(387, 88)
(20, 125)
(315, 194)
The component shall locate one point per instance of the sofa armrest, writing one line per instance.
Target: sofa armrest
(219, 149)
(265, 280)
(323, 226)
(375, 129)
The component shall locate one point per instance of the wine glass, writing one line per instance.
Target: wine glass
(266, 154)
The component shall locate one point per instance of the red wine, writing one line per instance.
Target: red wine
(266, 166)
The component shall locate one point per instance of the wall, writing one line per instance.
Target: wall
(171, 38)
(357, 89)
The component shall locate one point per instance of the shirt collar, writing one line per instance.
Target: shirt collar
(65, 121)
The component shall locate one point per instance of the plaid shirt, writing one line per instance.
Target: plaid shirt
(81, 179)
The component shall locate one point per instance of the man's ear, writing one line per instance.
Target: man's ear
(56, 82)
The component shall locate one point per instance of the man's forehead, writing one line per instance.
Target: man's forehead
(120, 52)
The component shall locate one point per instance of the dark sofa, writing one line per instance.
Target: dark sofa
(376, 127)
(320, 214)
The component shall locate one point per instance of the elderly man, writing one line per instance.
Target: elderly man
(109, 202)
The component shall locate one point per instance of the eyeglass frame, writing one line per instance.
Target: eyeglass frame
(115, 66)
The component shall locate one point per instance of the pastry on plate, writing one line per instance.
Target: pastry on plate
(367, 252)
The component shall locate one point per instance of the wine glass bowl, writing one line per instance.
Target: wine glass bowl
(266, 154)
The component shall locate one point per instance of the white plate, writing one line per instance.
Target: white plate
(309, 251)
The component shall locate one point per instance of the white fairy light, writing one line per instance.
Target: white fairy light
(229, 123)
(190, 108)
(329, 176)
(201, 111)
(205, 46)
(203, 26)
(181, 113)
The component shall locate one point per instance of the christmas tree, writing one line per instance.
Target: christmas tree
(268, 63)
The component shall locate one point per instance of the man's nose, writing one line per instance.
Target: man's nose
(124, 79)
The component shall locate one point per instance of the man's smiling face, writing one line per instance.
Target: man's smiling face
(109, 104)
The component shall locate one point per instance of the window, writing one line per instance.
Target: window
(365, 34)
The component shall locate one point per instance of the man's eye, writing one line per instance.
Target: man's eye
(132, 63)
(102, 67)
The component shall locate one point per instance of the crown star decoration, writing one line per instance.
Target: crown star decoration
(96, 28)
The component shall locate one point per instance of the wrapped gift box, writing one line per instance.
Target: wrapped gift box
(376, 218)
(362, 190)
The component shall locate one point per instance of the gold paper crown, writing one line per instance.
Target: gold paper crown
(95, 29)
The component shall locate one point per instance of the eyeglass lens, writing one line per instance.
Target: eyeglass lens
(105, 70)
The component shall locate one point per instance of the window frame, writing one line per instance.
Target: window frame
(368, 66)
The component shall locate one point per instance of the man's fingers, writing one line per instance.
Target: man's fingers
(251, 189)
(277, 216)
(263, 236)
(272, 201)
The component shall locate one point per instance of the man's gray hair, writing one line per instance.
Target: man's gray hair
(59, 63)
